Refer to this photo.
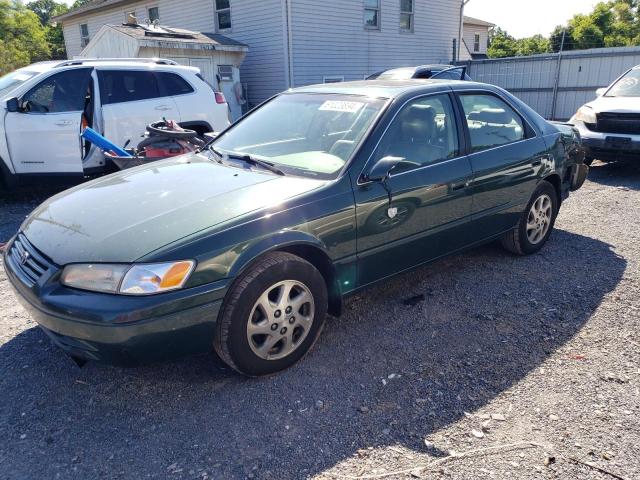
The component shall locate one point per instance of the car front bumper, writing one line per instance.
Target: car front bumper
(608, 146)
(121, 330)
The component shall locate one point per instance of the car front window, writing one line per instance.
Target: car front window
(307, 134)
(627, 86)
(398, 74)
(13, 80)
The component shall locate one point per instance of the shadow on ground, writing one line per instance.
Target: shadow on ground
(486, 321)
(623, 174)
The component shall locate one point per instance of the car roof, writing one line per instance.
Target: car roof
(384, 88)
(124, 63)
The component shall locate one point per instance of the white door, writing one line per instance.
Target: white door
(44, 137)
(131, 100)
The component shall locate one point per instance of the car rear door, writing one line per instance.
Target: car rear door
(506, 156)
(430, 206)
(44, 136)
(131, 100)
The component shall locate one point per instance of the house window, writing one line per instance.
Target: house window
(476, 42)
(225, 72)
(406, 15)
(372, 14)
(153, 14)
(333, 79)
(223, 14)
(84, 35)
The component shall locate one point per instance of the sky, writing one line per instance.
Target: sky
(524, 18)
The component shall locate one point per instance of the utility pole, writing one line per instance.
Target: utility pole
(556, 85)
(459, 46)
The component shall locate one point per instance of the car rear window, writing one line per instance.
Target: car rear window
(118, 86)
(172, 84)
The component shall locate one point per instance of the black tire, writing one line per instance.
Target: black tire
(517, 241)
(160, 129)
(232, 343)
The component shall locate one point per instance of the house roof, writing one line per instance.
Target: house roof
(476, 21)
(89, 7)
(179, 38)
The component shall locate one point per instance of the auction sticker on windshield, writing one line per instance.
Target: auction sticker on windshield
(341, 106)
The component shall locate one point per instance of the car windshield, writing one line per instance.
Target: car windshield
(14, 79)
(627, 86)
(397, 74)
(303, 134)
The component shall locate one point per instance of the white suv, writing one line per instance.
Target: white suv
(45, 106)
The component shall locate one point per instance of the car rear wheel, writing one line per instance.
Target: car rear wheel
(272, 315)
(535, 224)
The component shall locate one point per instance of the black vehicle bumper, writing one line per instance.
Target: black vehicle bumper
(123, 330)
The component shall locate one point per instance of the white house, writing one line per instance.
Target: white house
(296, 42)
(475, 38)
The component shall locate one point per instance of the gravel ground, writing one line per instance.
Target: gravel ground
(477, 351)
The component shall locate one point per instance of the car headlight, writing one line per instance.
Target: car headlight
(141, 279)
(585, 115)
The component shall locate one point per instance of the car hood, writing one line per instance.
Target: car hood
(124, 216)
(616, 104)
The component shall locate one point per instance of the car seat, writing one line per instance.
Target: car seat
(415, 136)
(493, 126)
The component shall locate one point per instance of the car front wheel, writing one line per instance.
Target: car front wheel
(272, 315)
(535, 224)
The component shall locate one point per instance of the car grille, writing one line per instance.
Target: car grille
(26, 261)
(622, 123)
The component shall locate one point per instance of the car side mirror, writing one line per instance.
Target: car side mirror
(13, 105)
(601, 91)
(382, 169)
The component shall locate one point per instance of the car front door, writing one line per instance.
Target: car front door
(421, 211)
(131, 100)
(44, 135)
(506, 156)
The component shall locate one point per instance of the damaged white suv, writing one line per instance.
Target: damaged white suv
(45, 106)
(610, 125)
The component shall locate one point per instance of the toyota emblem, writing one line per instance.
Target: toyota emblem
(24, 258)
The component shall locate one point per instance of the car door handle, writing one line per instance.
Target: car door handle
(459, 186)
(163, 108)
(64, 123)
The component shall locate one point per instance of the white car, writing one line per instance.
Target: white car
(45, 106)
(610, 125)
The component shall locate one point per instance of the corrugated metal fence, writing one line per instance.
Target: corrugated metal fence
(556, 85)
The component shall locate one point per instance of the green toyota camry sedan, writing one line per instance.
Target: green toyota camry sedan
(246, 246)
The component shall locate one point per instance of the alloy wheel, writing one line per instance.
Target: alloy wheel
(539, 219)
(280, 320)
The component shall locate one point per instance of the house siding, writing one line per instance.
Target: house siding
(326, 40)
(332, 41)
(258, 23)
(469, 32)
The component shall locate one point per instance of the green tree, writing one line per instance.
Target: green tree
(46, 10)
(22, 37)
(532, 45)
(501, 44)
(615, 23)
